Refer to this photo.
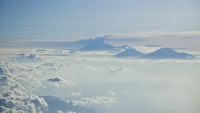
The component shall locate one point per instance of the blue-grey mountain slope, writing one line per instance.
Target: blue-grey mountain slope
(64, 44)
(168, 53)
(129, 53)
(97, 45)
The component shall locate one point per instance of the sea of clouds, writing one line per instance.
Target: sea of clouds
(97, 80)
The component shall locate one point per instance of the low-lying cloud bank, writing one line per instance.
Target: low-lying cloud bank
(82, 81)
(96, 100)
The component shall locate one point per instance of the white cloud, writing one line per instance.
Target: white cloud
(71, 112)
(2, 71)
(15, 101)
(59, 111)
(96, 100)
(27, 58)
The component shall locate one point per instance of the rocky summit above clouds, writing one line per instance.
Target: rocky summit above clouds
(97, 47)
(97, 40)
(97, 44)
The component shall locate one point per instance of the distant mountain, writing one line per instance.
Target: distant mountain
(98, 40)
(129, 53)
(167, 53)
(55, 104)
(97, 45)
(65, 44)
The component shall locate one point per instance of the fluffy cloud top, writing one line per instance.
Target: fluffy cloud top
(23, 57)
(16, 101)
(2, 71)
(97, 100)
(15, 97)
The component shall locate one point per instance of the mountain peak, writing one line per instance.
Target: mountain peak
(97, 40)
(129, 53)
(168, 53)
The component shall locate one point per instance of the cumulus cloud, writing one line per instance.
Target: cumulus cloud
(71, 112)
(23, 58)
(2, 71)
(16, 77)
(15, 97)
(97, 100)
(52, 66)
(59, 111)
(6, 67)
(15, 101)
(6, 82)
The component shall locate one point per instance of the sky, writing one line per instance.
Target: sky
(78, 18)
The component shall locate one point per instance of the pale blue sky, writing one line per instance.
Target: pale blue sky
(77, 18)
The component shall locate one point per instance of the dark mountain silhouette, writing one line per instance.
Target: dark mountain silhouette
(55, 104)
(97, 47)
(129, 53)
(167, 53)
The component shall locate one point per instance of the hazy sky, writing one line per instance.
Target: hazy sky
(76, 18)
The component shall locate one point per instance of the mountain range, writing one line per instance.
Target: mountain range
(162, 53)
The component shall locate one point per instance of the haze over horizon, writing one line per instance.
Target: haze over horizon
(171, 23)
(77, 19)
